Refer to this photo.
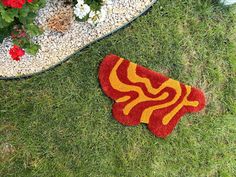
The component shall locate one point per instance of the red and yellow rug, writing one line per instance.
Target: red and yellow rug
(144, 96)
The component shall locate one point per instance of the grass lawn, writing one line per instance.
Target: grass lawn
(59, 123)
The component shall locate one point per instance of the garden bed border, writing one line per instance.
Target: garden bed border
(76, 53)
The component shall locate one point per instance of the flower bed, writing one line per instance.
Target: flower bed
(37, 40)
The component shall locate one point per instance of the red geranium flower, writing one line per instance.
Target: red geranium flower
(15, 3)
(16, 52)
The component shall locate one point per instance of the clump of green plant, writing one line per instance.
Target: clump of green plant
(17, 20)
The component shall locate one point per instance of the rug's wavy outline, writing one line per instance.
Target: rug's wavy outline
(68, 57)
(144, 96)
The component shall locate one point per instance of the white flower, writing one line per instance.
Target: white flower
(103, 13)
(108, 2)
(81, 9)
(93, 18)
(80, 2)
(96, 17)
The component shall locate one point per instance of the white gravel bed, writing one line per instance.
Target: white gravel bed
(56, 46)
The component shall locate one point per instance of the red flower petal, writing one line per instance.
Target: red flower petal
(16, 52)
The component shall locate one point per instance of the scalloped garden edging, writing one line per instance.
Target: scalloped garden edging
(56, 47)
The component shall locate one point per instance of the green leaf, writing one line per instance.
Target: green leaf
(24, 11)
(32, 49)
(28, 19)
(8, 16)
(3, 23)
(4, 32)
(33, 30)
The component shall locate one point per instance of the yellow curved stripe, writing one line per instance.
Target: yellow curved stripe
(185, 102)
(118, 85)
(122, 87)
(148, 111)
(123, 99)
(134, 78)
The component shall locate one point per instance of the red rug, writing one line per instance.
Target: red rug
(144, 96)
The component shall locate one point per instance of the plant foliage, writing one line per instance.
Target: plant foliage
(15, 21)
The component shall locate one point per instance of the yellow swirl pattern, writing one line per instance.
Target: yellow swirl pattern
(134, 78)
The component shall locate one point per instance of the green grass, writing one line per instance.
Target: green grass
(59, 123)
